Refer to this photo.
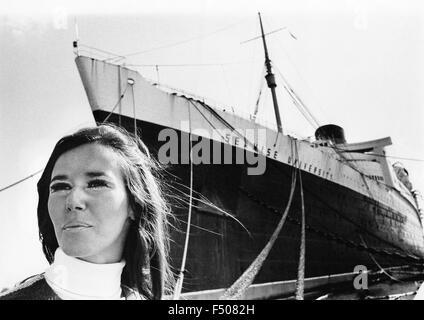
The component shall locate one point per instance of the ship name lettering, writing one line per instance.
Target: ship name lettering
(296, 162)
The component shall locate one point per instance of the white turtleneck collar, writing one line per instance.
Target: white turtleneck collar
(75, 279)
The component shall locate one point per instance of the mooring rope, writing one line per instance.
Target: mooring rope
(116, 104)
(180, 280)
(300, 283)
(240, 286)
(376, 263)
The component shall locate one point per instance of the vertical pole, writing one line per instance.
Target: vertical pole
(270, 79)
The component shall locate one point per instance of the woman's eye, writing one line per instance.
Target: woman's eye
(97, 184)
(59, 187)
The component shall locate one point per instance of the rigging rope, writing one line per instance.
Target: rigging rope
(102, 51)
(117, 103)
(221, 119)
(240, 286)
(364, 177)
(380, 155)
(135, 117)
(298, 102)
(216, 130)
(22, 180)
(376, 263)
(179, 42)
(353, 167)
(180, 280)
(188, 64)
(37, 172)
(261, 87)
(322, 112)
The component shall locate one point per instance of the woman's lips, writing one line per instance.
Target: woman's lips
(76, 226)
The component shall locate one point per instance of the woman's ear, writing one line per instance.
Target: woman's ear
(131, 214)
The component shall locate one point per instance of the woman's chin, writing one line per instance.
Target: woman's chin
(76, 250)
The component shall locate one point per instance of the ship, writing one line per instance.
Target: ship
(347, 205)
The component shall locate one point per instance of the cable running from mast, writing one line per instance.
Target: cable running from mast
(298, 102)
(177, 43)
(22, 180)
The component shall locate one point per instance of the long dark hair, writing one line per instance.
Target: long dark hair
(147, 269)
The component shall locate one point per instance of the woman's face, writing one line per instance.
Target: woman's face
(88, 204)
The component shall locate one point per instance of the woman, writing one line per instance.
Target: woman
(103, 221)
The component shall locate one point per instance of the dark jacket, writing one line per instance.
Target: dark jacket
(36, 288)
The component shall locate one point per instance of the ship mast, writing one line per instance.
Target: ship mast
(270, 79)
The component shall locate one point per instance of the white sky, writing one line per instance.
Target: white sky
(358, 64)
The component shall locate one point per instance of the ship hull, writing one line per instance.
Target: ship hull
(344, 228)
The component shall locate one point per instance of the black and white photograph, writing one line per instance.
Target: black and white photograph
(211, 150)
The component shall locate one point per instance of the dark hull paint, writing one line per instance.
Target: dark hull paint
(344, 228)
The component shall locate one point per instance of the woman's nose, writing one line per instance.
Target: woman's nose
(75, 201)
